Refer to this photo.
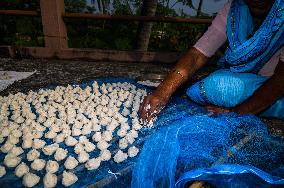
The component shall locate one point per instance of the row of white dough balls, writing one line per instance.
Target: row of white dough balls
(50, 179)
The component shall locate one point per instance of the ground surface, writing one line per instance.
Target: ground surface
(58, 72)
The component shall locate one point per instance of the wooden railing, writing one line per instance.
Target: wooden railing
(52, 13)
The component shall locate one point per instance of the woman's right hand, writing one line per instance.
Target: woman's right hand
(151, 106)
(155, 102)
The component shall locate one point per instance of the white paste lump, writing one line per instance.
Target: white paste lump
(38, 144)
(30, 180)
(60, 154)
(99, 113)
(49, 180)
(21, 169)
(7, 147)
(52, 166)
(83, 157)
(50, 149)
(32, 155)
(11, 161)
(105, 155)
(93, 164)
(120, 156)
(70, 141)
(16, 151)
(38, 164)
(133, 151)
(69, 178)
(70, 163)
(2, 171)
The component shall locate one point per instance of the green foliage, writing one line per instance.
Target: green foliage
(75, 5)
(20, 31)
(82, 33)
(174, 37)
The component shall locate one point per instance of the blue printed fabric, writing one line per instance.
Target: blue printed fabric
(248, 51)
(228, 89)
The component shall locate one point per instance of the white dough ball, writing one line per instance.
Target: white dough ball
(49, 180)
(13, 140)
(70, 163)
(97, 136)
(133, 133)
(123, 143)
(78, 148)
(38, 164)
(130, 139)
(17, 133)
(121, 132)
(96, 127)
(37, 134)
(32, 155)
(105, 155)
(93, 164)
(30, 180)
(59, 138)
(102, 145)
(133, 151)
(11, 161)
(7, 147)
(60, 154)
(76, 132)
(50, 134)
(89, 147)
(120, 156)
(21, 169)
(27, 143)
(52, 166)
(16, 151)
(38, 144)
(83, 157)
(136, 126)
(107, 136)
(50, 149)
(5, 132)
(2, 171)
(69, 178)
(83, 139)
(70, 141)
(2, 139)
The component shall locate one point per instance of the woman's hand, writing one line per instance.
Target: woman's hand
(191, 61)
(217, 110)
(151, 106)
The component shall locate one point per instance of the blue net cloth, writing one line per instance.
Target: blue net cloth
(183, 138)
(109, 174)
(199, 141)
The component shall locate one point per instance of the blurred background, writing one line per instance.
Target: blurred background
(113, 35)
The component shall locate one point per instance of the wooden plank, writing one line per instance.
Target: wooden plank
(20, 12)
(54, 29)
(137, 18)
(92, 54)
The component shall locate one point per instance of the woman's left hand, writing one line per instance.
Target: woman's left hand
(217, 110)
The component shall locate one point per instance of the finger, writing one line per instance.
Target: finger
(151, 116)
(143, 108)
(210, 107)
(142, 105)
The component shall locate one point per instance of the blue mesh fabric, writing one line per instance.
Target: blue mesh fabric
(183, 132)
(102, 175)
(200, 141)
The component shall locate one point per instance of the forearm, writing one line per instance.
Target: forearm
(266, 95)
(192, 61)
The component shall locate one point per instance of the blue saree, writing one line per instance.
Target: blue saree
(244, 58)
